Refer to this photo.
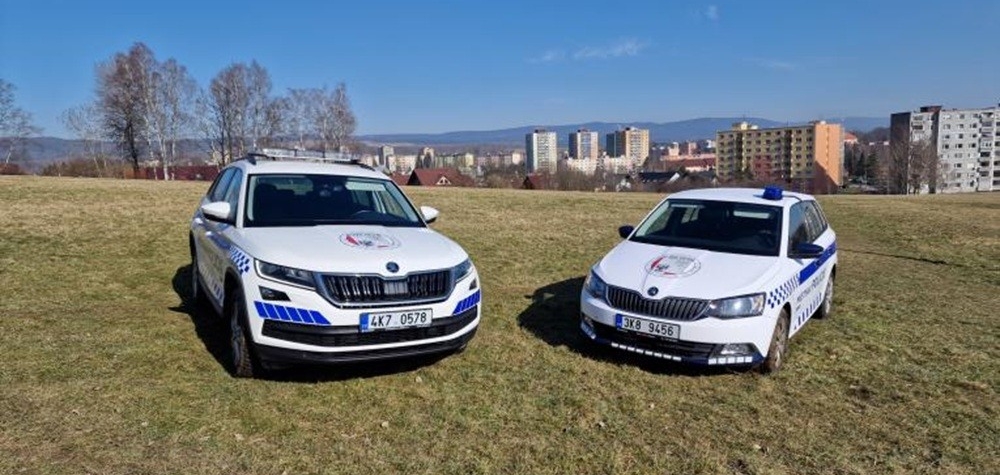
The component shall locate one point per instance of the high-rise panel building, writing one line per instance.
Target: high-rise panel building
(542, 151)
(384, 152)
(584, 145)
(964, 144)
(629, 142)
(806, 157)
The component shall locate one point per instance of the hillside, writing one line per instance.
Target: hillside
(108, 368)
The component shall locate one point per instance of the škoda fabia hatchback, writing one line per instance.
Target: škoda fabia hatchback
(714, 277)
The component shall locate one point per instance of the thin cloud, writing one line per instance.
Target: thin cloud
(712, 12)
(549, 56)
(619, 49)
(775, 64)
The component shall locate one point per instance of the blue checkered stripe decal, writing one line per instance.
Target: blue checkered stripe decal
(807, 309)
(240, 259)
(467, 303)
(270, 311)
(779, 295)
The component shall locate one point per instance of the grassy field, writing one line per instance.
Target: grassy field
(106, 369)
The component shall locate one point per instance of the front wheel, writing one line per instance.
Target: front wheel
(779, 346)
(243, 361)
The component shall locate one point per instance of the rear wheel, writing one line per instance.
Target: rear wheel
(779, 346)
(826, 309)
(241, 356)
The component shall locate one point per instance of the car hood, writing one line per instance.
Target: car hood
(351, 249)
(685, 272)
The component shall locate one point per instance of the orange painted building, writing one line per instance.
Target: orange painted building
(806, 158)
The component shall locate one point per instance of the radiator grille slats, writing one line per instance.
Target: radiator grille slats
(671, 308)
(368, 290)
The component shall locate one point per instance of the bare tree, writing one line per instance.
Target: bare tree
(175, 96)
(228, 102)
(85, 124)
(334, 120)
(15, 124)
(241, 113)
(301, 106)
(122, 101)
(909, 167)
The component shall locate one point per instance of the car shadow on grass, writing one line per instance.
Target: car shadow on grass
(554, 317)
(213, 331)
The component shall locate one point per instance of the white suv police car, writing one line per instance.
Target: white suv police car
(326, 262)
(714, 277)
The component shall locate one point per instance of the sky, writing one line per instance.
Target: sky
(436, 66)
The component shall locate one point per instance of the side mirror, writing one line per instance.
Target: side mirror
(430, 214)
(217, 211)
(805, 250)
(625, 231)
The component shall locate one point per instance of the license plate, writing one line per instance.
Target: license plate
(389, 320)
(648, 327)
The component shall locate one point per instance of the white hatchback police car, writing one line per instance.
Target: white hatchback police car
(325, 263)
(715, 277)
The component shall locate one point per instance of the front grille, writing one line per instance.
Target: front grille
(684, 349)
(671, 308)
(368, 290)
(351, 335)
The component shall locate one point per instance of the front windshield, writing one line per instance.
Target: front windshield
(722, 226)
(310, 200)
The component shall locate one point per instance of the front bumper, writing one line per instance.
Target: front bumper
(701, 341)
(271, 354)
(307, 328)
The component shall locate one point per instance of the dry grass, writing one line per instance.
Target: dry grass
(106, 370)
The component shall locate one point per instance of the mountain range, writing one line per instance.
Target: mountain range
(44, 150)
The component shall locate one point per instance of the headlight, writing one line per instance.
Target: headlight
(288, 275)
(460, 271)
(595, 286)
(736, 307)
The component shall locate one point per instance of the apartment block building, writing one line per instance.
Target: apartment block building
(629, 142)
(806, 157)
(584, 145)
(542, 151)
(965, 140)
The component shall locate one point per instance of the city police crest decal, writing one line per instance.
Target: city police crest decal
(673, 265)
(374, 241)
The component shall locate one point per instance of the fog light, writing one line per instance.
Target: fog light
(271, 294)
(587, 325)
(736, 349)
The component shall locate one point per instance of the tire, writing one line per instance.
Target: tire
(198, 296)
(242, 357)
(776, 352)
(825, 309)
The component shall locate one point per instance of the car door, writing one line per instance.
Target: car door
(217, 245)
(202, 226)
(810, 227)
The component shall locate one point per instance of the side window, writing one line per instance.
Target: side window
(814, 221)
(232, 195)
(218, 190)
(798, 230)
